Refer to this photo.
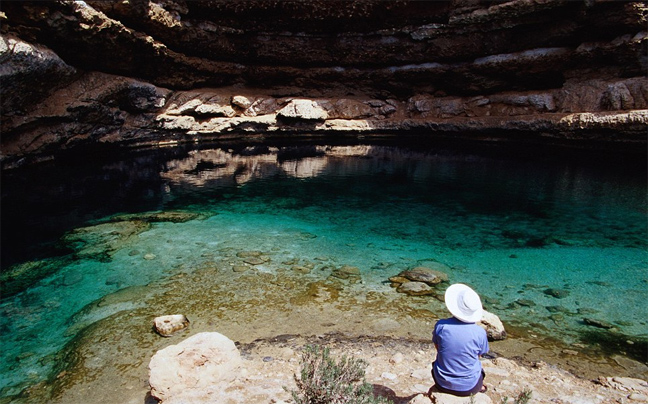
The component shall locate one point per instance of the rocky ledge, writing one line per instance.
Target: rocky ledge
(208, 366)
(137, 72)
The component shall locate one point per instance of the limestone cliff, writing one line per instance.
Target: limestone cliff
(140, 72)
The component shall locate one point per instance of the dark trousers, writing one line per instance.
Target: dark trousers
(470, 392)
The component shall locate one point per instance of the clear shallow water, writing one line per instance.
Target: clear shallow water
(511, 228)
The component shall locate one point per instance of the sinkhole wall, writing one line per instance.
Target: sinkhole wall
(76, 74)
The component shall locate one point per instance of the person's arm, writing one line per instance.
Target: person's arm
(435, 338)
(485, 347)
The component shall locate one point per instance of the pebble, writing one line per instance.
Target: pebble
(388, 376)
(397, 358)
(557, 293)
(240, 268)
(300, 269)
(422, 374)
(497, 371)
(598, 323)
(112, 281)
(256, 260)
(149, 257)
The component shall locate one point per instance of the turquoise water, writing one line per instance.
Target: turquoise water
(511, 228)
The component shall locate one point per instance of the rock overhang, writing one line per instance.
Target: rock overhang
(559, 70)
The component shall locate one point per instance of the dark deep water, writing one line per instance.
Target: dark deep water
(513, 226)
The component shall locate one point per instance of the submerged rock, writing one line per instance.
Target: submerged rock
(168, 325)
(416, 289)
(164, 216)
(240, 268)
(397, 280)
(21, 276)
(256, 260)
(101, 241)
(598, 323)
(422, 274)
(126, 299)
(301, 269)
(253, 257)
(557, 318)
(557, 293)
(72, 279)
(346, 272)
(557, 309)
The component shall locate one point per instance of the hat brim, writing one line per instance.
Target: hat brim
(452, 303)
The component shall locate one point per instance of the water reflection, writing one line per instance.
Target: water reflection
(513, 227)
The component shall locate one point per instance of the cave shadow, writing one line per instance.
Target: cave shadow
(384, 391)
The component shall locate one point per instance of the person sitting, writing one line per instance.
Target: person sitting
(459, 343)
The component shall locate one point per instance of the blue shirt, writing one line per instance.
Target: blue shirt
(457, 365)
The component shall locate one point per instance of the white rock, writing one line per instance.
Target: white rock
(201, 363)
(423, 374)
(303, 109)
(215, 110)
(389, 376)
(497, 371)
(442, 398)
(638, 397)
(241, 101)
(419, 399)
(493, 326)
(397, 358)
(167, 325)
(635, 384)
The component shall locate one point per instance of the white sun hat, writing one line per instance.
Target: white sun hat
(464, 303)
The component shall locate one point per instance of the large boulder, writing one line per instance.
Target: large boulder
(203, 362)
(493, 326)
(29, 72)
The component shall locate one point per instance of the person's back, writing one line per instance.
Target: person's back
(460, 342)
(459, 346)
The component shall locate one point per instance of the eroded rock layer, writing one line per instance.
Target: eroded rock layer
(143, 72)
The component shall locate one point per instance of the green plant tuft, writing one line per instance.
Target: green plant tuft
(522, 398)
(325, 381)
